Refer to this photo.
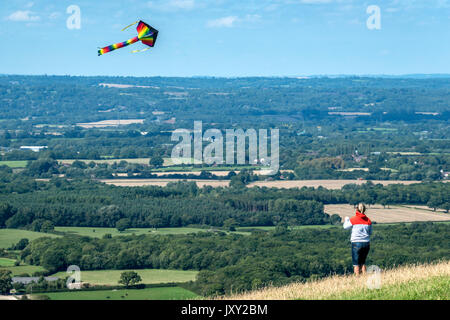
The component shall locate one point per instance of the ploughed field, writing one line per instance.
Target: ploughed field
(391, 214)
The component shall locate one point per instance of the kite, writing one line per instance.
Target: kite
(146, 34)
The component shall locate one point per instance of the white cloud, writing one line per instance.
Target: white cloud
(222, 22)
(171, 5)
(230, 21)
(26, 15)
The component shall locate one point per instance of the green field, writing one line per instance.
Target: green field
(5, 262)
(14, 164)
(94, 232)
(9, 237)
(100, 232)
(23, 269)
(167, 161)
(149, 276)
(196, 169)
(271, 228)
(164, 293)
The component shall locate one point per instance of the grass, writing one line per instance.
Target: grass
(271, 228)
(426, 281)
(149, 276)
(95, 232)
(23, 269)
(9, 237)
(435, 288)
(167, 161)
(14, 164)
(5, 262)
(164, 293)
(100, 232)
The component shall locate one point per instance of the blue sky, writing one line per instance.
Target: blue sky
(227, 37)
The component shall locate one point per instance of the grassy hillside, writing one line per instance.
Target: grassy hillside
(9, 237)
(418, 282)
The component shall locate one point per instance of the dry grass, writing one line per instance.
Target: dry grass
(109, 123)
(124, 86)
(392, 214)
(333, 287)
(163, 182)
(329, 184)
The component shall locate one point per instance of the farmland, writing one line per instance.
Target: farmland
(8, 237)
(5, 262)
(100, 232)
(162, 182)
(167, 161)
(14, 164)
(20, 270)
(110, 123)
(393, 214)
(149, 276)
(328, 184)
(164, 293)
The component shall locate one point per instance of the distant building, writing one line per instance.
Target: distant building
(33, 148)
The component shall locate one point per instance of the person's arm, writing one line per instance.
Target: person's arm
(370, 230)
(347, 223)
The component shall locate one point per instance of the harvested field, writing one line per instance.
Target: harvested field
(125, 86)
(109, 123)
(328, 184)
(393, 214)
(162, 182)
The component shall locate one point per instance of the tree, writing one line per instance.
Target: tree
(5, 282)
(20, 245)
(123, 224)
(434, 202)
(43, 166)
(230, 224)
(335, 219)
(128, 278)
(6, 211)
(156, 161)
(47, 226)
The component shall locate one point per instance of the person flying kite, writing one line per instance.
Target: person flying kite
(146, 34)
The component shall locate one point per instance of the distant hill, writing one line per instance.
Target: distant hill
(418, 282)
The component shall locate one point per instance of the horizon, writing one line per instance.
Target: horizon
(298, 77)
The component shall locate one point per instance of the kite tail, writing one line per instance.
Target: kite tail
(117, 46)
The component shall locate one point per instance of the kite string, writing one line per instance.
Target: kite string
(130, 25)
(136, 51)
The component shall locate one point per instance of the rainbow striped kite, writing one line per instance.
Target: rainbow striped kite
(146, 34)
